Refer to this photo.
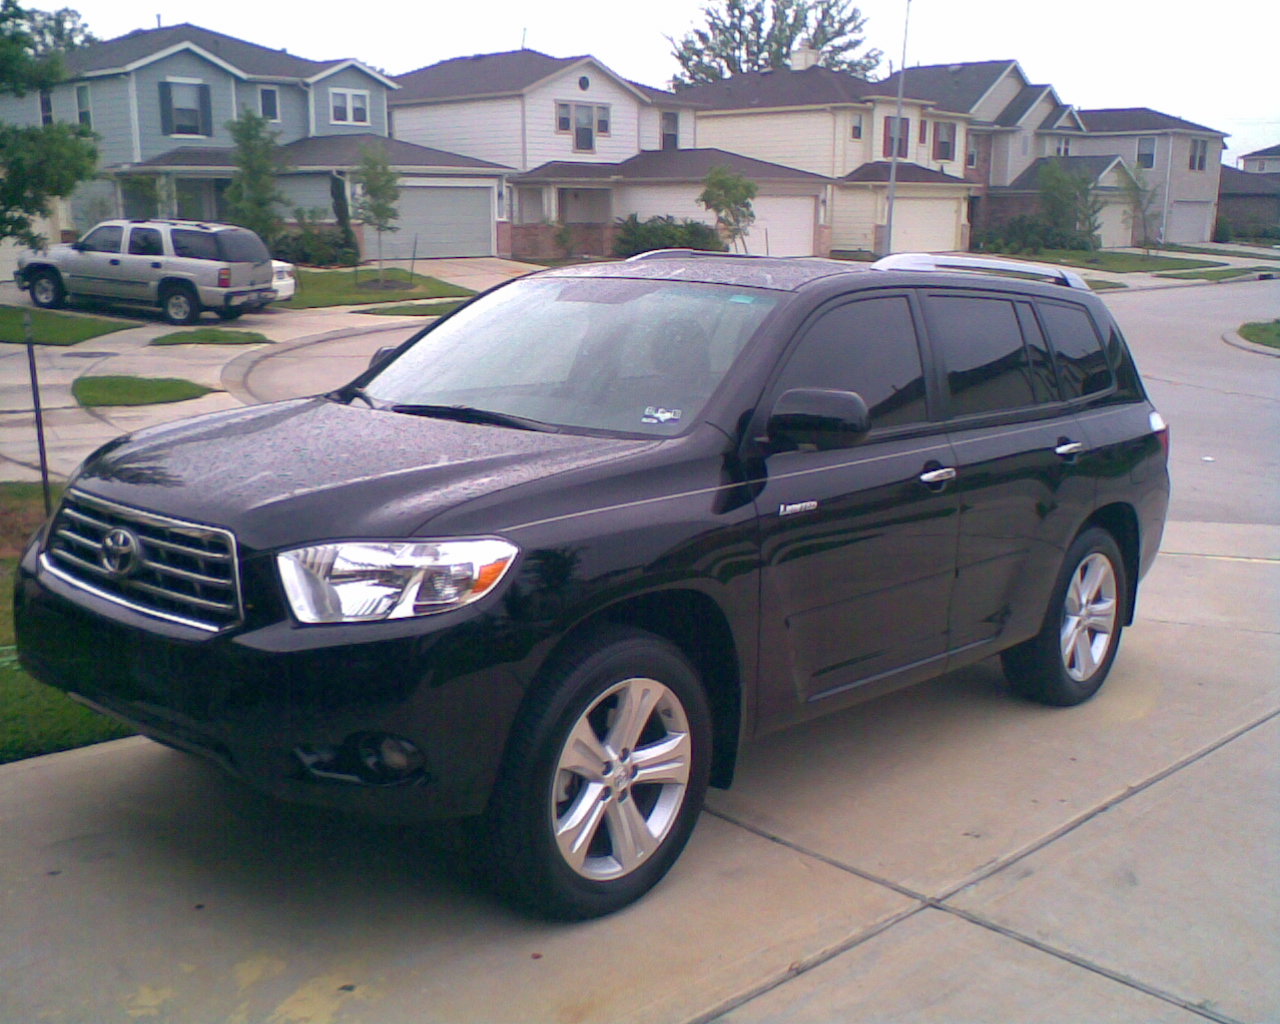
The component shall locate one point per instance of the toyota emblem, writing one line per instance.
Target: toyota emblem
(121, 553)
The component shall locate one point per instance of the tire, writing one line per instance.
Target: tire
(603, 778)
(229, 314)
(179, 304)
(1068, 660)
(47, 291)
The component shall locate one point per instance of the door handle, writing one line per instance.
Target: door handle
(1068, 449)
(155, 266)
(938, 476)
(115, 263)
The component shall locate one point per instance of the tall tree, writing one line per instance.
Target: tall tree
(59, 31)
(252, 196)
(1069, 202)
(757, 35)
(728, 196)
(376, 201)
(37, 164)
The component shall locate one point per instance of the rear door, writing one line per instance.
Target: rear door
(141, 265)
(1021, 460)
(858, 551)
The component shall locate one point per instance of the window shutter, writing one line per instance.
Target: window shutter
(206, 111)
(166, 108)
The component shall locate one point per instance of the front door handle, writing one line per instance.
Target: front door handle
(1068, 449)
(938, 476)
(115, 263)
(155, 266)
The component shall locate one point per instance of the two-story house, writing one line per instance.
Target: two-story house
(160, 101)
(1262, 161)
(849, 129)
(592, 147)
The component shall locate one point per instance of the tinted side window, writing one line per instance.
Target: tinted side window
(987, 365)
(240, 246)
(145, 242)
(104, 239)
(196, 245)
(868, 346)
(1082, 364)
(1043, 379)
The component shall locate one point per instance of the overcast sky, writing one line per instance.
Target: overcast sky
(1212, 63)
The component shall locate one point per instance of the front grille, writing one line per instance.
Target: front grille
(177, 570)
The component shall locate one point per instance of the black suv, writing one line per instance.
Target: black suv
(553, 559)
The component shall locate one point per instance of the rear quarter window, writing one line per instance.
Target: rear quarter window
(1083, 368)
(241, 246)
(194, 245)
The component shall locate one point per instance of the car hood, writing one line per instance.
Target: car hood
(314, 469)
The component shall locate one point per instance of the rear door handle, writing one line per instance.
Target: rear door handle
(115, 263)
(155, 266)
(1068, 449)
(938, 476)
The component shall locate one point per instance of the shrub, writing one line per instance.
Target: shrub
(1031, 235)
(315, 243)
(636, 236)
(1222, 230)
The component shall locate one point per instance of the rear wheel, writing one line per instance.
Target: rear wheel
(179, 304)
(1069, 659)
(47, 291)
(605, 777)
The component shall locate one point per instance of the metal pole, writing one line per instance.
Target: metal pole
(898, 133)
(35, 399)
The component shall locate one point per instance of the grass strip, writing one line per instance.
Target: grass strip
(115, 390)
(415, 309)
(360, 287)
(50, 328)
(211, 336)
(1262, 333)
(1225, 274)
(1114, 262)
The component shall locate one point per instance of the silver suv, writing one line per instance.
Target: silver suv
(181, 266)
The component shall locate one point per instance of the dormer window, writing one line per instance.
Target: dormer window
(944, 140)
(585, 121)
(348, 106)
(670, 129)
(185, 108)
(855, 131)
(897, 133)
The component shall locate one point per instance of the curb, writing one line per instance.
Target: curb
(1234, 339)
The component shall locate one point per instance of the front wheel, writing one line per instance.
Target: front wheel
(604, 778)
(180, 305)
(1068, 660)
(47, 291)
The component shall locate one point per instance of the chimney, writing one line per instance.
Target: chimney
(804, 56)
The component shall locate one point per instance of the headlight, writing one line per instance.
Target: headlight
(368, 581)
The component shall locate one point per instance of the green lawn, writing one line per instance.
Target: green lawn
(358, 287)
(211, 336)
(415, 309)
(55, 328)
(1115, 262)
(1221, 252)
(1099, 285)
(91, 391)
(1262, 333)
(1225, 274)
(34, 719)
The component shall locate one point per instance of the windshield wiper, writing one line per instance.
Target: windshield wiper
(470, 414)
(348, 392)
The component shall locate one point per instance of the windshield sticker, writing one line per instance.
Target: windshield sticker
(657, 414)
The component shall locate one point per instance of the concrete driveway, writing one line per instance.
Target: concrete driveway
(946, 854)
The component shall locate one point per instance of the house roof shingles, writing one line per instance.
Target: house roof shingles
(1269, 151)
(1093, 166)
(1138, 119)
(908, 173)
(954, 87)
(327, 151)
(670, 165)
(1235, 182)
(784, 88)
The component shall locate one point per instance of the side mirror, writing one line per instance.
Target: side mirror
(78, 246)
(820, 418)
(381, 356)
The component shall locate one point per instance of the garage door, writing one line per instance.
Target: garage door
(1113, 226)
(926, 225)
(443, 220)
(783, 227)
(1190, 222)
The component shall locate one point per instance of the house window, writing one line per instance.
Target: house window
(269, 103)
(924, 131)
(971, 151)
(670, 130)
(585, 121)
(83, 112)
(944, 140)
(185, 109)
(1062, 146)
(1199, 154)
(348, 106)
(855, 129)
(1146, 151)
(896, 133)
(46, 107)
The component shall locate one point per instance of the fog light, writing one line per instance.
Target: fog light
(387, 758)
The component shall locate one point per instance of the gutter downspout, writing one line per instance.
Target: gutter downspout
(1168, 180)
(898, 133)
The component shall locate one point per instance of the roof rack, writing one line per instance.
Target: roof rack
(663, 254)
(930, 261)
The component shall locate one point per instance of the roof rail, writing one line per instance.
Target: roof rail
(930, 261)
(662, 254)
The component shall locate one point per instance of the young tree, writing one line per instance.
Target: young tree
(376, 201)
(37, 164)
(252, 197)
(1140, 200)
(728, 196)
(756, 35)
(1070, 204)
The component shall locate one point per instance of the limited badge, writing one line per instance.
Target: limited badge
(657, 414)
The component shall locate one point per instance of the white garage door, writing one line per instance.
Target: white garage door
(1190, 222)
(925, 225)
(1113, 226)
(783, 226)
(444, 220)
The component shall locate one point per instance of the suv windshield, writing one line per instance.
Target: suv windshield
(619, 355)
(241, 246)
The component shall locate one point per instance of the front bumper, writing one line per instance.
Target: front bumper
(262, 702)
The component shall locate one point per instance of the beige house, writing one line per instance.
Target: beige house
(847, 129)
(1262, 161)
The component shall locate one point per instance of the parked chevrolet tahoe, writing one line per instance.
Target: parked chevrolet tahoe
(183, 267)
(551, 562)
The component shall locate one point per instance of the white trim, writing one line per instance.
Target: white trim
(168, 52)
(275, 89)
(134, 127)
(88, 92)
(183, 80)
(350, 94)
(343, 66)
(1012, 66)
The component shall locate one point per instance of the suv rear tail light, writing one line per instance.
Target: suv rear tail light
(224, 277)
(1161, 430)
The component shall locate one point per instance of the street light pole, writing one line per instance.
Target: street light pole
(898, 133)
